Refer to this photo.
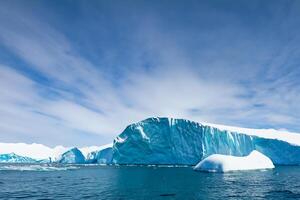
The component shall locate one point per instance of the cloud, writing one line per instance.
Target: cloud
(53, 92)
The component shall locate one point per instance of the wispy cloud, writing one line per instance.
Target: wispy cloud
(56, 89)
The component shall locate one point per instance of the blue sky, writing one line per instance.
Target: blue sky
(78, 72)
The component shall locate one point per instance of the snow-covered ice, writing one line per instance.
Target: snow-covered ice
(225, 163)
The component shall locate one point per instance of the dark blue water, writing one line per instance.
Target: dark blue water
(100, 182)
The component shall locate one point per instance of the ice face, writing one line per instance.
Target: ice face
(178, 141)
(14, 158)
(73, 155)
(225, 163)
(103, 156)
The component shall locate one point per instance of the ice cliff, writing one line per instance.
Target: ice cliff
(179, 141)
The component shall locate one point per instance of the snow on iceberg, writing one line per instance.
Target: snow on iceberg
(72, 156)
(184, 142)
(225, 163)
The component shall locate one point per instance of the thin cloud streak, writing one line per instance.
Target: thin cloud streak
(79, 101)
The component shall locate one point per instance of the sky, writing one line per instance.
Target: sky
(78, 72)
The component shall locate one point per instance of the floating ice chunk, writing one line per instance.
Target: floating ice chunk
(224, 163)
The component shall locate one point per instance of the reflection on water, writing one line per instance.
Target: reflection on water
(108, 182)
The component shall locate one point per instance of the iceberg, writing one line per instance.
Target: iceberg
(35, 151)
(225, 163)
(41, 152)
(14, 158)
(103, 156)
(44, 154)
(183, 142)
(167, 141)
(72, 156)
(87, 150)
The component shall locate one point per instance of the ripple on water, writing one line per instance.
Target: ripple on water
(283, 194)
(36, 168)
(148, 183)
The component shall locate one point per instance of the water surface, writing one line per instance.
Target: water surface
(112, 182)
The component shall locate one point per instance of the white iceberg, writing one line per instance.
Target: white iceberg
(224, 163)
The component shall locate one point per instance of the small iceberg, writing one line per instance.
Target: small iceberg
(224, 163)
(72, 156)
(103, 156)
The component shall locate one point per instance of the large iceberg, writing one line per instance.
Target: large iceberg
(72, 156)
(179, 141)
(14, 158)
(169, 141)
(225, 163)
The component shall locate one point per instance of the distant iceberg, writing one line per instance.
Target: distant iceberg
(184, 142)
(225, 163)
(103, 156)
(34, 151)
(72, 156)
(42, 153)
(14, 158)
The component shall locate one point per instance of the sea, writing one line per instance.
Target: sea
(144, 182)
